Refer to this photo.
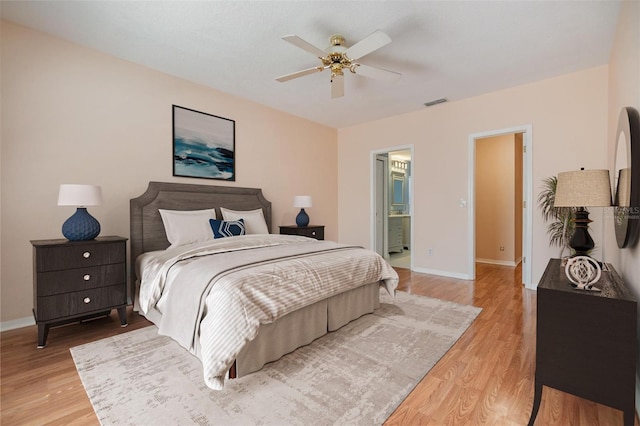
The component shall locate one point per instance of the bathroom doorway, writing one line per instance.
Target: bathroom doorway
(392, 190)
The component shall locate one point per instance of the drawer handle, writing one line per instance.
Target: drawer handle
(86, 254)
(87, 300)
(86, 277)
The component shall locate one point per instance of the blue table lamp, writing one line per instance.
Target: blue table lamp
(81, 226)
(302, 201)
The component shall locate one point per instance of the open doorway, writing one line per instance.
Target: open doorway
(392, 196)
(500, 191)
(499, 199)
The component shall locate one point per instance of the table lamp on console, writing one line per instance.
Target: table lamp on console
(81, 226)
(583, 188)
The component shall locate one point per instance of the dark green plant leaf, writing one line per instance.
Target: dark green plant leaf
(562, 226)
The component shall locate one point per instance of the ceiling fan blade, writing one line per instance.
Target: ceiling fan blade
(372, 42)
(337, 85)
(297, 74)
(378, 73)
(305, 45)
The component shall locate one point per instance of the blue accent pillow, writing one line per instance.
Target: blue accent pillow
(227, 228)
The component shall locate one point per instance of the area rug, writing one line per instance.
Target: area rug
(357, 375)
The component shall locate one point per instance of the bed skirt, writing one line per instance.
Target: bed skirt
(301, 327)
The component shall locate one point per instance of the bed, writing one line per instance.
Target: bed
(258, 298)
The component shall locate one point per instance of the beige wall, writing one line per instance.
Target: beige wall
(495, 198)
(74, 115)
(568, 115)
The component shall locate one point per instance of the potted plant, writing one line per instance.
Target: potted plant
(562, 225)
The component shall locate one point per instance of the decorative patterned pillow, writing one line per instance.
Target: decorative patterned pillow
(227, 228)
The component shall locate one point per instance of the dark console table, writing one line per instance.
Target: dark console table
(586, 340)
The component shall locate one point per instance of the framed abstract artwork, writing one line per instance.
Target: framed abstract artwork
(203, 145)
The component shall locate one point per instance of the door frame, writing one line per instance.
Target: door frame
(372, 193)
(385, 208)
(527, 196)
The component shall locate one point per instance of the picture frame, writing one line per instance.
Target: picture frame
(203, 145)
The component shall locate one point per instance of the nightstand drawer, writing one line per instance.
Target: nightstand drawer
(80, 302)
(312, 231)
(315, 232)
(69, 280)
(75, 256)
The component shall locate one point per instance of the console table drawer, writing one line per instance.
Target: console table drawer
(66, 281)
(79, 302)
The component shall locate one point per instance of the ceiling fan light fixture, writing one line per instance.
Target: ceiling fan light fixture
(339, 57)
(336, 68)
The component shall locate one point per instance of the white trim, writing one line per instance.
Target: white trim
(527, 183)
(498, 262)
(443, 273)
(385, 200)
(18, 323)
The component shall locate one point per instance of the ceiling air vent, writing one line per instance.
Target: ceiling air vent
(436, 102)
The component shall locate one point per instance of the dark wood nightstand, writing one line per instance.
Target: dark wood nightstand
(586, 340)
(313, 231)
(73, 280)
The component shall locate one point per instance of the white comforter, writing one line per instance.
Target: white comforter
(222, 290)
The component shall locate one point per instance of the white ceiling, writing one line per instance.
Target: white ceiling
(450, 49)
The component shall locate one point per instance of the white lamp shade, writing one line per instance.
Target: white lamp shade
(302, 201)
(583, 188)
(79, 195)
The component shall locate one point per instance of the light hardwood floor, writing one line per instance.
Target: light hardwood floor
(486, 378)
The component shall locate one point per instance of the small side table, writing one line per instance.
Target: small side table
(312, 231)
(586, 340)
(74, 280)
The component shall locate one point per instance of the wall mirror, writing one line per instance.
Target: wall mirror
(627, 178)
(397, 189)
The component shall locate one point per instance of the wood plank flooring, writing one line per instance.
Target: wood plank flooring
(485, 379)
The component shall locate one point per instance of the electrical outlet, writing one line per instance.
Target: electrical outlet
(501, 248)
(430, 251)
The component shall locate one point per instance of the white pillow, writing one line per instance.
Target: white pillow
(254, 222)
(187, 227)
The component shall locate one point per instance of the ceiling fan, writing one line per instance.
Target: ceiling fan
(338, 58)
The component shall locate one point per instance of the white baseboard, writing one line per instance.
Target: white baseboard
(497, 262)
(442, 273)
(18, 323)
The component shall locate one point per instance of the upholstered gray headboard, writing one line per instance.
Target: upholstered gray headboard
(147, 229)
